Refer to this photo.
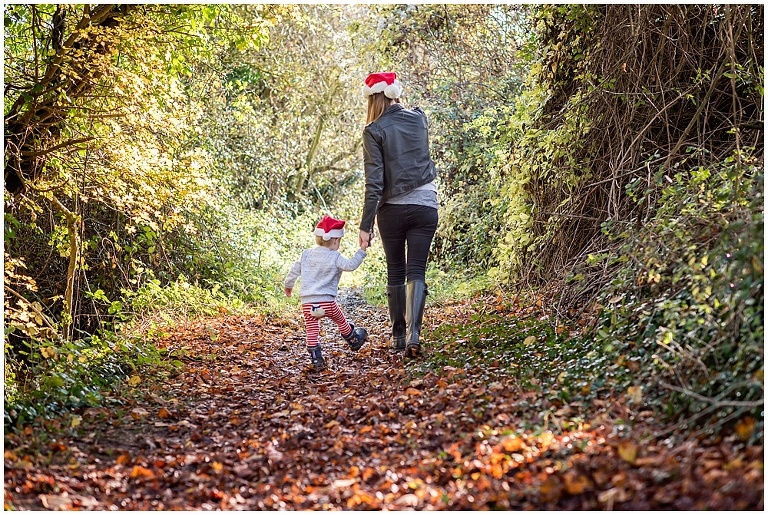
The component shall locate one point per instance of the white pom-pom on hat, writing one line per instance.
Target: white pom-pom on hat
(385, 82)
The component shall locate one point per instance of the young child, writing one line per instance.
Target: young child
(320, 270)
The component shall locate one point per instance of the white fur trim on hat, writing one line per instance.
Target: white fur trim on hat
(333, 233)
(393, 91)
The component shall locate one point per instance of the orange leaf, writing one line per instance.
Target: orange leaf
(123, 459)
(138, 413)
(412, 391)
(365, 429)
(163, 413)
(142, 472)
(576, 483)
(512, 444)
(745, 427)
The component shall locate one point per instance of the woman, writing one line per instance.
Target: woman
(400, 193)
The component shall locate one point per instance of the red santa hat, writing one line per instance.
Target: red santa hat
(328, 227)
(383, 82)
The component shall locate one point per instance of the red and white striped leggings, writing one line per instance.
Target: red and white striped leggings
(312, 324)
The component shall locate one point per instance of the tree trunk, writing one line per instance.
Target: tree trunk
(74, 253)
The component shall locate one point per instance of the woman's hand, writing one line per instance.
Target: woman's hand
(365, 239)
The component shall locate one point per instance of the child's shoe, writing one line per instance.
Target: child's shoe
(316, 355)
(356, 337)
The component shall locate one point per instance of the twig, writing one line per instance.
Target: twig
(717, 403)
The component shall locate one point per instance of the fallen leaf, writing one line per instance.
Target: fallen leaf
(412, 391)
(635, 394)
(141, 472)
(745, 427)
(138, 413)
(628, 452)
(56, 502)
(134, 380)
(512, 444)
(576, 483)
(551, 489)
(408, 500)
(343, 483)
(164, 413)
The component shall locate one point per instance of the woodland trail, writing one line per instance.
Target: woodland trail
(247, 426)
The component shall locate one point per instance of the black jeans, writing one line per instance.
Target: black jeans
(401, 226)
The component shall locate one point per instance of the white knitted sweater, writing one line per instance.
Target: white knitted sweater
(320, 270)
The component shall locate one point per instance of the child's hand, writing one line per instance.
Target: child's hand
(364, 239)
(288, 291)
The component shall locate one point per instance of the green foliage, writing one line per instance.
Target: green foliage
(50, 378)
(688, 303)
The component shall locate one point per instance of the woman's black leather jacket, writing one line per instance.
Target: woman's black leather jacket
(396, 158)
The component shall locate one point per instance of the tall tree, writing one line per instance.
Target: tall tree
(100, 128)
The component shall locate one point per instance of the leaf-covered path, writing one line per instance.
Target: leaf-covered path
(246, 426)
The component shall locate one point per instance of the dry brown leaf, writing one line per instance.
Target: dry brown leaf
(138, 413)
(551, 489)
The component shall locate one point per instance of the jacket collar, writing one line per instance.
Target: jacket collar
(391, 109)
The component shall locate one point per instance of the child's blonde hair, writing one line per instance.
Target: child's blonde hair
(324, 243)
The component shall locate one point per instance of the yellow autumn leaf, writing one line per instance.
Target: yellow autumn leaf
(628, 452)
(76, 420)
(217, 466)
(48, 352)
(134, 380)
(635, 394)
(531, 339)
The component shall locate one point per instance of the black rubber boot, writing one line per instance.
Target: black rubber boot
(356, 338)
(316, 355)
(416, 298)
(396, 303)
